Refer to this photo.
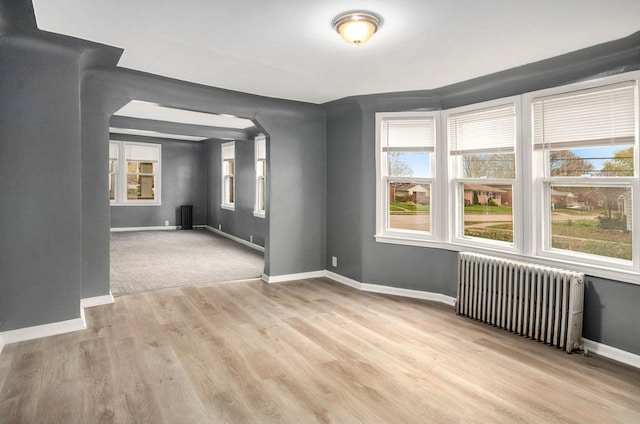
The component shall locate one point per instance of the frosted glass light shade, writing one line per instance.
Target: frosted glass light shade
(357, 28)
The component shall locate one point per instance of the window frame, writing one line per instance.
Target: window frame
(226, 201)
(529, 206)
(456, 182)
(121, 174)
(541, 246)
(261, 180)
(398, 236)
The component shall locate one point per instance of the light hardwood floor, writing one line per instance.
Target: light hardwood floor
(302, 352)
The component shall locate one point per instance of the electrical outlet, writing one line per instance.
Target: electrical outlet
(250, 239)
(166, 223)
(334, 261)
(220, 227)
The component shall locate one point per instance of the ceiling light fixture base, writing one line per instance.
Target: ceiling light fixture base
(357, 27)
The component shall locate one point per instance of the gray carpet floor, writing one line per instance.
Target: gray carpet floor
(151, 260)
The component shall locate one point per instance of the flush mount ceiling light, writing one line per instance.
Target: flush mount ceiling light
(357, 27)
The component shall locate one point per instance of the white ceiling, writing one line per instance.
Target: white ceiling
(288, 49)
(147, 110)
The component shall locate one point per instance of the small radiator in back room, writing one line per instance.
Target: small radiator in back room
(539, 302)
(186, 216)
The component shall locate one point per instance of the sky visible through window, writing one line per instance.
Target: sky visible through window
(417, 162)
(595, 159)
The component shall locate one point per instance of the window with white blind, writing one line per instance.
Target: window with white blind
(550, 176)
(228, 151)
(585, 142)
(260, 153)
(134, 173)
(482, 148)
(406, 144)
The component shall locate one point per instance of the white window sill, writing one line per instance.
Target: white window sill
(258, 214)
(228, 207)
(136, 204)
(573, 264)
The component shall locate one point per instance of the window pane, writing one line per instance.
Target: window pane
(112, 179)
(409, 206)
(261, 191)
(141, 167)
(228, 189)
(261, 168)
(488, 211)
(140, 187)
(489, 165)
(228, 167)
(408, 164)
(609, 161)
(593, 220)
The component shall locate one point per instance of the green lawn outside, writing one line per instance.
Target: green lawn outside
(487, 210)
(588, 229)
(404, 207)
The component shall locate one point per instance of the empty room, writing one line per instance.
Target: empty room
(337, 211)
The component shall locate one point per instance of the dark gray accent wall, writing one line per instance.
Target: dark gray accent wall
(183, 182)
(240, 222)
(611, 307)
(40, 192)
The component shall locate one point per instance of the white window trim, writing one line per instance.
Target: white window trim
(455, 233)
(529, 208)
(612, 268)
(259, 213)
(121, 176)
(231, 206)
(396, 236)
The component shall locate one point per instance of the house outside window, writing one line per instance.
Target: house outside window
(228, 175)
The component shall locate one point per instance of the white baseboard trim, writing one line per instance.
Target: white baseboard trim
(90, 302)
(291, 277)
(234, 238)
(395, 291)
(156, 228)
(54, 328)
(612, 353)
(44, 330)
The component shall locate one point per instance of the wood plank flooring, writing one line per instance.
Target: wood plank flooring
(309, 351)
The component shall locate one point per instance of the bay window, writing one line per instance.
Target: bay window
(550, 177)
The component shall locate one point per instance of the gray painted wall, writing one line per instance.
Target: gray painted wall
(611, 311)
(240, 222)
(184, 182)
(40, 193)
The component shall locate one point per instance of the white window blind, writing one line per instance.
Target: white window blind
(483, 131)
(113, 151)
(141, 153)
(595, 117)
(261, 148)
(408, 135)
(228, 151)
